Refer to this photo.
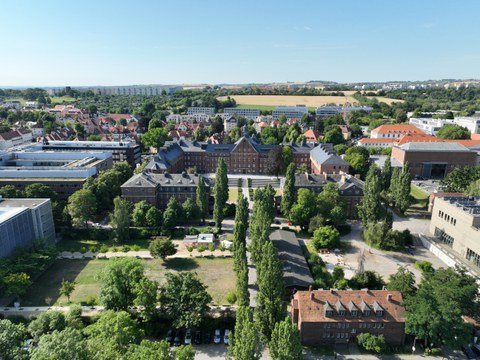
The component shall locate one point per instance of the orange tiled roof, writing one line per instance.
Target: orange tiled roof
(312, 134)
(312, 307)
(397, 128)
(466, 143)
(416, 138)
(380, 140)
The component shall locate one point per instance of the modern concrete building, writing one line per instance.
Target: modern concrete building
(125, 150)
(472, 124)
(22, 221)
(330, 110)
(64, 171)
(432, 159)
(210, 111)
(14, 138)
(430, 126)
(328, 317)
(290, 112)
(456, 223)
(250, 114)
(157, 189)
(149, 90)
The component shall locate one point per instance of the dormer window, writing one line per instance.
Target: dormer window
(341, 313)
(354, 313)
(379, 313)
(366, 313)
(328, 313)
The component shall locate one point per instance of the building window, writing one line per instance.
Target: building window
(366, 313)
(379, 313)
(444, 237)
(473, 257)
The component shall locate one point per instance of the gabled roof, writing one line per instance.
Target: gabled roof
(322, 156)
(311, 133)
(397, 129)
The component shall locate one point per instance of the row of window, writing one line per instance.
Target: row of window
(473, 257)
(447, 218)
(355, 313)
(337, 335)
(444, 237)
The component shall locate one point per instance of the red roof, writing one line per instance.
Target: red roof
(315, 134)
(397, 129)
(377, 141)
(416, 138)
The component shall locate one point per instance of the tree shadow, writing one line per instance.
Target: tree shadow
(181, 264)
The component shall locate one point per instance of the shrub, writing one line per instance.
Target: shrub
(371, 342)
(201, 248)
(326, 237)
(231, 297)
(126, 248)
(136, 247)
(103, 248)
(189, 249)
(114, 249)
(83, 250)
(93, 249)
(425, 266)
(91, 300)
(192, 231)
(222, 248)
(211, 247)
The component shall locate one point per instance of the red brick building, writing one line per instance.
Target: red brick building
(324, 160)
(338, 316)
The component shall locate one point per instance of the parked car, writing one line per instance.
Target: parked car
(177, 340)
(226, 337)
(169, 337)
(207, 337)
(476, 349)
(198, 337)
(470, 354)
(217, 336)
(188, 337)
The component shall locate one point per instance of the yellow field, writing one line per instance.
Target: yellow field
(286, 100)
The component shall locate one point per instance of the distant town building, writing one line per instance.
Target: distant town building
(250, 114)
(428, 125)
(210, 111)
(328, 317)
(14, 138)
(149, 90)
(330, 110)
(22, 221)
(290, 112)
(63, 171)
(157, 189)
(229, 123)
(456, 224)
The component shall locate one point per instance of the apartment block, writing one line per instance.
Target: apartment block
(250, 114)
(290, 112)
(210, 111)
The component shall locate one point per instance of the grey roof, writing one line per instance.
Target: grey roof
(145, 179)
(434, 146)
(301, 147)
(295, 269)
(323, 155)
(346, 183)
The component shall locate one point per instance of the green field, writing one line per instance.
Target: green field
(22, 100)
(216, 273)
(62, 99)
(232, 195)
(420, 198)
(87, 244)
(266, 107)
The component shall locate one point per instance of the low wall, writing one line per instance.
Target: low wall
(437, 251)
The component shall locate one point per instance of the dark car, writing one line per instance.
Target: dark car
(198, 337)
(177, 340)
(169, 336)
(207, 337)
(476, 349)
(470, 354)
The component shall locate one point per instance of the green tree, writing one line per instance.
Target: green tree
(473, 189)
(185, 352)
(370, 208)
(147, 296)
(220, 192)
(326, 237)
(404, 281)
(39, 191)
(358, 163)
(67, 288)
(161, 248)
(82, 206)
(274, 163)
(332, 206)
(117, 327)
(334, 136)
(172, 213)
(10, 192)
(289, 194)
(285, 343)
(304, 208)
(387, 173)
(65, 344)
(120, 219)
(150, 350)
(287, 156)
(367, 280)
(190, 210)
(201, 198)
(270, 306)
(124, 169)
(12, 337)
(154, 217)
(399, 191)
(261, 220)
(17, 284)
(155, 137)
(139, 214)
(436, 312)
(453, 132)
(184, 299)
(119, 280)
(460, 178)
(246, 344)
(46, 323)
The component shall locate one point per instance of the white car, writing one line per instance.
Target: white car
(225, 337)
(188, 337)
(217, 337)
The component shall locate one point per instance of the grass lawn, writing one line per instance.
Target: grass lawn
(259, 107)
(21, 100)
(78, 244)
(232, 195)
(216, 273)
(420, 198)
(62, 99)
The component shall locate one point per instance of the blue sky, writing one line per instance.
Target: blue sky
(103, 42)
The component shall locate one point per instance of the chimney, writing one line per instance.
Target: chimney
(310, 288)
(332, 291)
(343, 178)
(312, 295)
(389, 297)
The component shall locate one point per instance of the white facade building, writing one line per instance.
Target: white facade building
(250, 114)
(472, 124)
(430, 126)
(290, 112)
(201, 110)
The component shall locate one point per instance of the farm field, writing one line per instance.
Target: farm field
(62, 99)
(216, 273)
(287, 100)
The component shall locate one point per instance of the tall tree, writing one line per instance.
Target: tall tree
(39, 191)
(220, 192)
(261, 220)
(139, 214)
(124, 169)
(240, 250)
(246, 344)
(460, 178)
(387, 173)
(453, 132)
(404, 281)
(119, 280)
(270, 305)
(172, 213)
(274, 164)
(161, 248)
(201, 198)
(304, 208)
(12, 337)
(332, 206)
(10, 192)
(370, 208)
(120, 219)
(67, 288)
(285, 343)
(287, 157)
(436, 312)
(288, 198)
(155, 137)
(184, 299)
(65, 344)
